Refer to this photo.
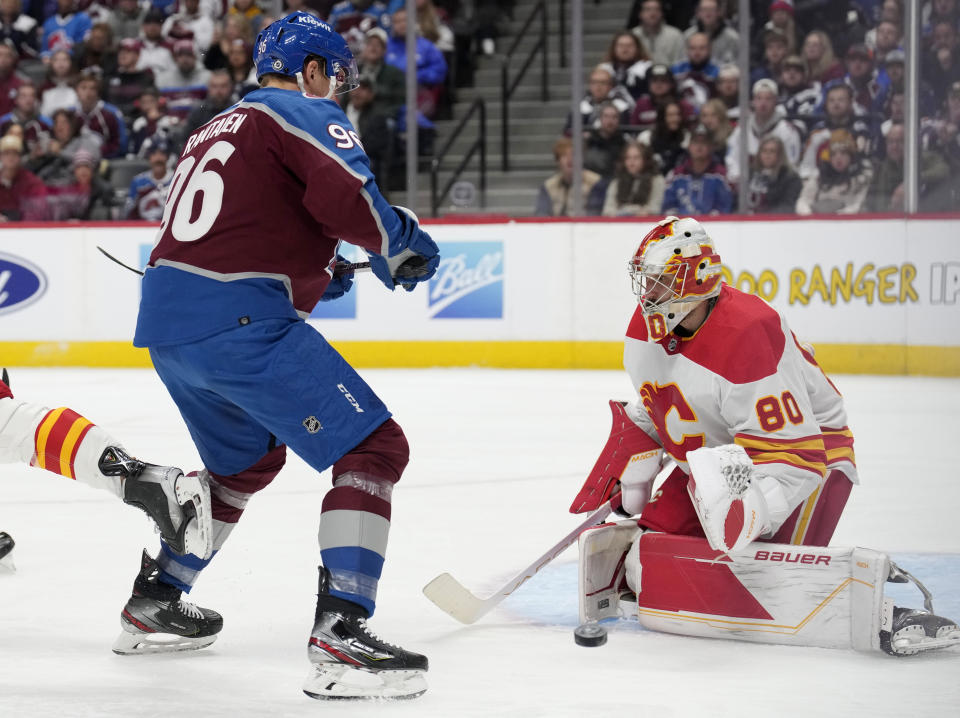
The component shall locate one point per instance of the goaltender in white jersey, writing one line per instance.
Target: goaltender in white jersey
(764, 466)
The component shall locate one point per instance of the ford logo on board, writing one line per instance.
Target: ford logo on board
(21, 283)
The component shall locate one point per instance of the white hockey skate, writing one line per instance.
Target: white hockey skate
(178, 504)
(350, 662)
(6, 553)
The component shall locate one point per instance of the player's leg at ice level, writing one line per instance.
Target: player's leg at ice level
(155, 619)
(354, 525)
(66, 443)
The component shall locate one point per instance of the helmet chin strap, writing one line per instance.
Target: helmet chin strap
(331, 87)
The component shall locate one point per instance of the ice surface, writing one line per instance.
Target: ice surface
(496, 459)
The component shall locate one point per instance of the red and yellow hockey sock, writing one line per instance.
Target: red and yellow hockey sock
(58, 439)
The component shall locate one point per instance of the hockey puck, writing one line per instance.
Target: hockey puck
(590, 634)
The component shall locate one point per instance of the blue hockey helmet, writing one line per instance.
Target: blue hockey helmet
(285, 45)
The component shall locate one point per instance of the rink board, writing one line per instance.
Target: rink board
(877, 296)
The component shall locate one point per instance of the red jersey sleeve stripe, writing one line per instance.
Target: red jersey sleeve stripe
(757, 442)
(806, 453)
(809, 461)
(839, 445)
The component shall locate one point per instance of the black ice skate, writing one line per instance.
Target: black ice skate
(6, 547)
(155, 620)
(912, 630)
(915, 631)
(351, 662)
(178, 504)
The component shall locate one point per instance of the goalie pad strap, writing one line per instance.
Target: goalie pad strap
(628, 448)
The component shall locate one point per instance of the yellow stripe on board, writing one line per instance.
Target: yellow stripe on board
(43, 433)
(834, 358)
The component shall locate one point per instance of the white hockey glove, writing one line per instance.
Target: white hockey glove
(724, 489)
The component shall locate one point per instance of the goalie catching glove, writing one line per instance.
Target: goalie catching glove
(411, 260)
(728, 496)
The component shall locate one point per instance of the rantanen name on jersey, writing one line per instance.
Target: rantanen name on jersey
(231, 123)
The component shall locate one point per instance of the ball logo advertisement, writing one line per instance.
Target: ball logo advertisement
(469, 282)
(21, 283)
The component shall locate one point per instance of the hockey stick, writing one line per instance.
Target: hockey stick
(453, 598)
(339, 268)
(408, 270)
(109, 256)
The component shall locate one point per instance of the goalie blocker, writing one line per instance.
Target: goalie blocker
(827, 597)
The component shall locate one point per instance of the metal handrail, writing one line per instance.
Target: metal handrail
(563, 33)
(507, 88)
(479, 145)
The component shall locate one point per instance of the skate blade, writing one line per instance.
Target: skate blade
(194, 489)
(139, 644)
(913, 640)
(7, 565)
(340, 682)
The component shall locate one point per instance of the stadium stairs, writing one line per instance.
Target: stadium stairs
(534, 125)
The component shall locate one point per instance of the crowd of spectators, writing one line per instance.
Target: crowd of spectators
(662, 129)
(98, 97)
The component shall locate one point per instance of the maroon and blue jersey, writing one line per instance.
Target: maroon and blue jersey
(261, 197)
(146, 196)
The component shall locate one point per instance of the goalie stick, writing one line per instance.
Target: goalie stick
(454, 599)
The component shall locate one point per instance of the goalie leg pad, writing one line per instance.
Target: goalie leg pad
(767, 593)
(603, 552)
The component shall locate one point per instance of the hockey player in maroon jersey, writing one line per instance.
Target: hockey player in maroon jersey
(764, 465)
(261, 197)
(66, 443)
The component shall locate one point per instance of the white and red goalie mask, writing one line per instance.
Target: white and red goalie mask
(674, 269)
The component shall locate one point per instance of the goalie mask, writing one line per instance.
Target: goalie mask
(674, 269)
